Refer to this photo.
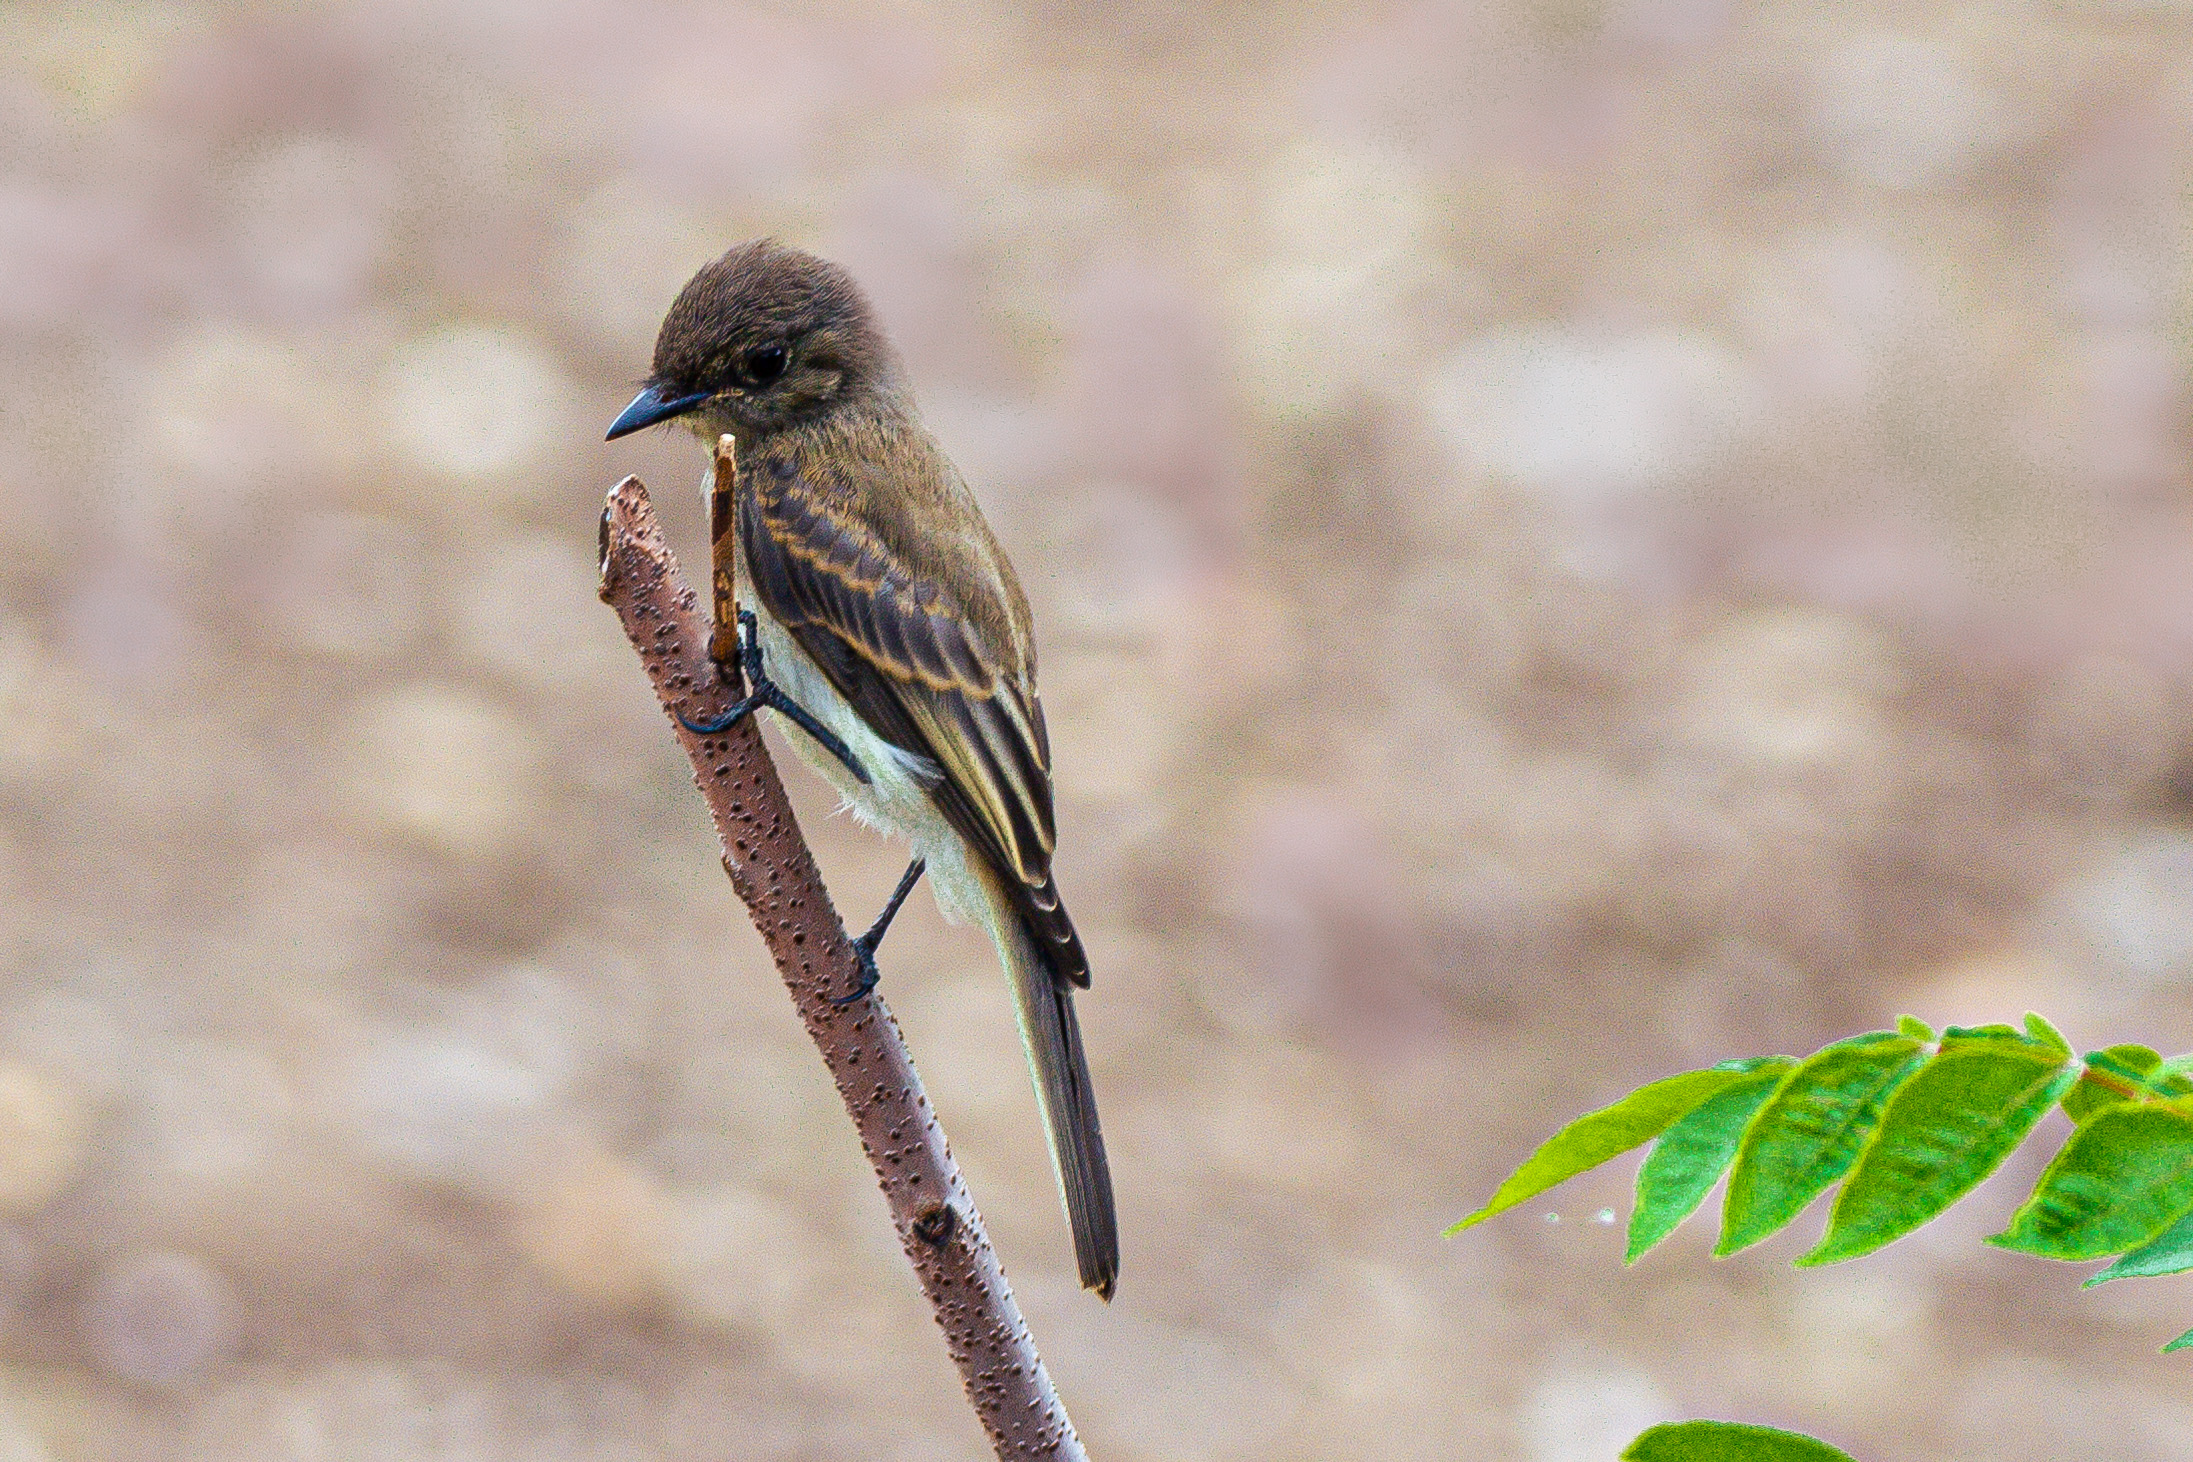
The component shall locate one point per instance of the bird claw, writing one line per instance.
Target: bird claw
(870, 976)
(864, 947)
(764, 692)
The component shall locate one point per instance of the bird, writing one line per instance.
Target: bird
(880, 613)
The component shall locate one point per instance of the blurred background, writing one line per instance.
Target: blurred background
(1572, 541)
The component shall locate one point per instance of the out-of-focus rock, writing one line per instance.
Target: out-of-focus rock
(44, 1138)
(1344, 240)
(235, 410)
(1668, 30)
(350, 584)
(1145, 404)
(2104, 728)
(627, 249)
(353, 1408)
(2018, 1405)
(1207, 1394)
(529, 610)
(2132, 914)
(739, 1260)
(312, 217)
(2000, 984)
(600, 1228)
(474, 402)
(448, 1107)
(58, 248)
(18, 1267)
(1902, 111)
(73, 1035)
(1586, 418)
(1820, 312)
(1270, 1132)
(1788, 688)
(1316, 898)
(18, 1442)
(1587, 1407)
(98, 61)
(40, 707)
(208, 1116)
(441, 767)
(913, 244)
(159, 1319)
(1867, 1335)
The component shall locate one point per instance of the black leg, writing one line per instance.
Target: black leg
(762, 692)
(865, 946)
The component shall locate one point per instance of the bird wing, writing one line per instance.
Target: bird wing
(905, 653)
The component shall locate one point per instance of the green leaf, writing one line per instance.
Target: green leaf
(2169, 1252)
(1609, 1132)
(1728, 1441)
(2040, 1030)
(1917, 1029)
(2123, 1178)
(2123, 1076)
(2180, 1343)
(1942, 1132)
(1810, 1132)
(1690, 1157)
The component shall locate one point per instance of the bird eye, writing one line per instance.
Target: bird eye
(764, 365)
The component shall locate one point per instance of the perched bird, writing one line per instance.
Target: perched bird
(881, 614)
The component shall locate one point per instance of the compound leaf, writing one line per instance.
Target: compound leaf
(2124, 1177)
(2123, 1076)
(1728, 1441)
(1692, 1154)
(1810, 1131)
(1942, 1133)
(2169, 1252)
(1609, 1132)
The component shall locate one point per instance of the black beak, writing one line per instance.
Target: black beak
(650, 406)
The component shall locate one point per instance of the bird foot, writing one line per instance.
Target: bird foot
(761, 692)
(864, 947)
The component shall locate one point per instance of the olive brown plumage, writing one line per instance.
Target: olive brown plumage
(886, 608)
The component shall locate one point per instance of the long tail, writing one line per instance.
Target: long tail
(1044, 1001)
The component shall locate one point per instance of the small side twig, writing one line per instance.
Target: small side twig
(775, 876)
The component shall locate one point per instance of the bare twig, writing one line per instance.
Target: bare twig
(774, 874)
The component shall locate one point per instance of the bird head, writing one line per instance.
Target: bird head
(762, 338)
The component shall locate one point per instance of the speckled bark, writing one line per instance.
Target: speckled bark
(775, 875)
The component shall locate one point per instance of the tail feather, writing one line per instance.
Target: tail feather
(1044, 1001)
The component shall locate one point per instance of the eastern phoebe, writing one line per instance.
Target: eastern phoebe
(883, 605)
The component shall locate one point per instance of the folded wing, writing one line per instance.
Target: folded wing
(907, 654)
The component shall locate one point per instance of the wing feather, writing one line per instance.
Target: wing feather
(908, 658)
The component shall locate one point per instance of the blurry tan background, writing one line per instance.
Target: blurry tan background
(1572, 541)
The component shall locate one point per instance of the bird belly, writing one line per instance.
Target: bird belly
(895, 800)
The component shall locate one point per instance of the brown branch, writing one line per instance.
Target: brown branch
(774, 874)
